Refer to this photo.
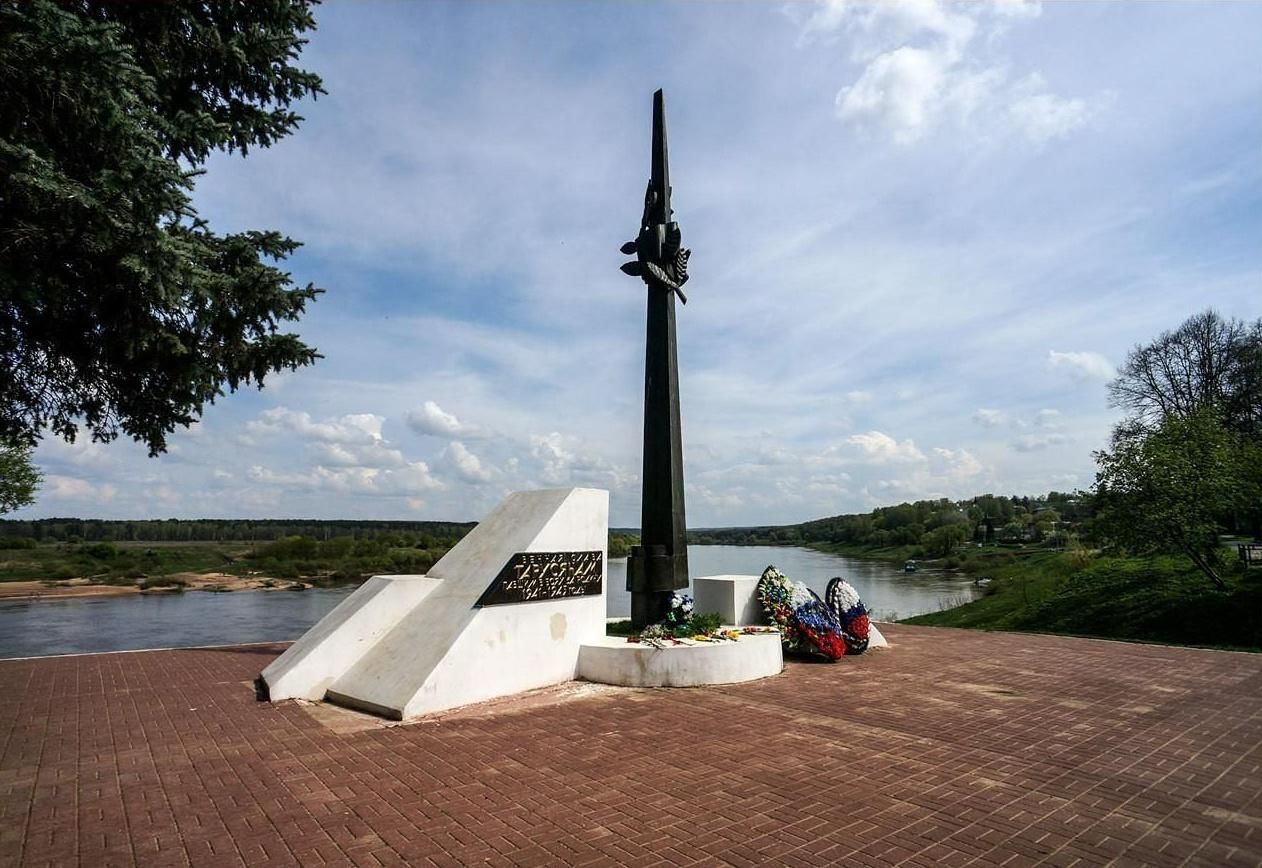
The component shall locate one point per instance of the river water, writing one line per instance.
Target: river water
(68, 626)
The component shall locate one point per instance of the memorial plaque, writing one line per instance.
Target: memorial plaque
(530, 576)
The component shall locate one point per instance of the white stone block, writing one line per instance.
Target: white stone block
(733, 597)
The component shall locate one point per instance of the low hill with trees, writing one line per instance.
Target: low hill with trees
(929, 528)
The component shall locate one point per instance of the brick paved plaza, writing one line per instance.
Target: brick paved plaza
(956, 748)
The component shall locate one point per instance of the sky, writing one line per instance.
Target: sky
(924, 235)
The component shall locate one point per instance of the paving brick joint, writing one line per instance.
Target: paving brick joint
(957, 748)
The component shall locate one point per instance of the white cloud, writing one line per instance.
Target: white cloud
(956, 464)
(434, 420)
(1043, 116)
(894, 20)
(899, 90)
(1038, 442)
(1047, 418)
(1017, 8)
(859, 396)
(989, 418)
(921, 67)
(74, 488)
(413, 477)
(467, 465)
(1082, 365)
(84, 452)
(377, 453)
(881, 448)
(351, 428)
(551, 451)
(560, 461)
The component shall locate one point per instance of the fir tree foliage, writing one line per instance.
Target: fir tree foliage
(121, 311)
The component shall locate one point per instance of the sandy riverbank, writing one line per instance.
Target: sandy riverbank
(191, 582)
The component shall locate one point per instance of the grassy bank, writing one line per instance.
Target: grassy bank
(123, 563)
(1161, 599)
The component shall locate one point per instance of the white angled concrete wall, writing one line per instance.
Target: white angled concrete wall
(444, 652)
(510, 648)
(327, 650)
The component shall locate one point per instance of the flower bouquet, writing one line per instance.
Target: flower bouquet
(678, 619)
(848, 609)
(683, 626)
(806, 624)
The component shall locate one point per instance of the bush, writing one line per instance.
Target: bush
(101, 551)
(1079, 558)
(706, 623)
(17, 542)
(289, 548)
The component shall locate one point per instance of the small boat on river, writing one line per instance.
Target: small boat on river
(909, 567)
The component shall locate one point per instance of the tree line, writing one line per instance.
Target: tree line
(936, 527)
(425, 534)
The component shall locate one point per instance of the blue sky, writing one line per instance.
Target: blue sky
(923, 236)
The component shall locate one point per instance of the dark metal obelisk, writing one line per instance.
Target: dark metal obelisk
(659, 565)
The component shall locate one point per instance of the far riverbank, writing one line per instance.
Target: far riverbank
(85, 587)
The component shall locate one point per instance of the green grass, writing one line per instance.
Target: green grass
(703, 623)
(620, 628)
(1159, 599)
(115, 563)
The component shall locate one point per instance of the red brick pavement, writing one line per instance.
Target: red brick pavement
(955, 749)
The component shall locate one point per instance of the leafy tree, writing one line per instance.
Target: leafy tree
(19, 478)
(1208, 361)
(942, 541)
(1170, 489)
(120, 309)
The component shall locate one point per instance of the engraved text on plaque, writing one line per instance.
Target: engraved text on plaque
(532, 576)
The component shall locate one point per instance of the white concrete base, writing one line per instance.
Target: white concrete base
(733, 597)
(614, 660)
(404, 648)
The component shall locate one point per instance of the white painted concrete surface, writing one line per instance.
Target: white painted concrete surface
(733, 597)
(327, 650)
(442, 652)
(614, 660)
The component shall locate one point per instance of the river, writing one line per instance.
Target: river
(80, 625)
